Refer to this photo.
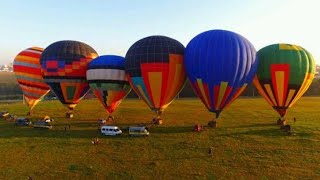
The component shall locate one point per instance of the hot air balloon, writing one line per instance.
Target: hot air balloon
(219, 64)
(154, 67)
(64, 65)
(108, 81)
(284, 74)
(26, 67)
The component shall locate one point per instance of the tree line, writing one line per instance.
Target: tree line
(10, 90)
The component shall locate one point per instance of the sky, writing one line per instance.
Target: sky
(112, 26)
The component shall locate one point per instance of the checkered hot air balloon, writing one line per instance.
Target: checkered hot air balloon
(27, 69)
(64, 65)
(284, 74)
(108, 81)
(219, 64)
(154, 67)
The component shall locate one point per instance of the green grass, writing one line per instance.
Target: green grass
(247, 144)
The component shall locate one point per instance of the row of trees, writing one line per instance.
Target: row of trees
(251, 91)
(9, 89)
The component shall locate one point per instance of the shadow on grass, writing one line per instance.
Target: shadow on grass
(270, 132)
(258, 125)
(49, 133)
(90, 130)
(171, 130)
(80, 130)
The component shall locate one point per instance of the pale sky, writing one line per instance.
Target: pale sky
(112, 26)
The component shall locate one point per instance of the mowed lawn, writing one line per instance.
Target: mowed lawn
(246, 145)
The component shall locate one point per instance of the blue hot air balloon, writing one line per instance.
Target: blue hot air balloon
(108, 81)
(219, 64)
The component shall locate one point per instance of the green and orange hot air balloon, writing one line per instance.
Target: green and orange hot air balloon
(284, 74)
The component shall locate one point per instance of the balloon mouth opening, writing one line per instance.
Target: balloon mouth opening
(158, 111)
(217, 113)
(109, 111)
(282, 111)
(70, 106)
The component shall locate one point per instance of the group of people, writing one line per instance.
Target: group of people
(95, 141)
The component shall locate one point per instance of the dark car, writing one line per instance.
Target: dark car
(21, 121)
(42, 124)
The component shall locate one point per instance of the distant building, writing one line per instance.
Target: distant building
(317, 71)
(6, 68)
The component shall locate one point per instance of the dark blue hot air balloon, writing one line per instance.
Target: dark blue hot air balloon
(219, 64)
(64, 65)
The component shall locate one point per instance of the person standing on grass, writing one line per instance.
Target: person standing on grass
(210, 151)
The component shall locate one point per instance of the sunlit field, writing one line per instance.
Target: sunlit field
(246, 144)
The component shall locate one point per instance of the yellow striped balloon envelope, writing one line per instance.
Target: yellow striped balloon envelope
(26, 67)
(284, 74)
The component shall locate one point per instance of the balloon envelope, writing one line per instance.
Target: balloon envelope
(284, 74)
(108, 81)
(27, 69)
(64, 65)
(219, 64)
(154, 67)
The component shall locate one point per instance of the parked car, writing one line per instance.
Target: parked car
(42, 124)
(22, 121)
(138, 131)
(111, 131)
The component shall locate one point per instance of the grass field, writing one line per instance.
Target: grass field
(247, 144)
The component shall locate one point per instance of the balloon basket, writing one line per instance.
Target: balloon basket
(157, 121)
(69, 115)
(213, 123)
(110, 118)
(197, 128)
(281, 122)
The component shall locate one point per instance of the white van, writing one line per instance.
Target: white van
(110, 131)
(138, 131)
